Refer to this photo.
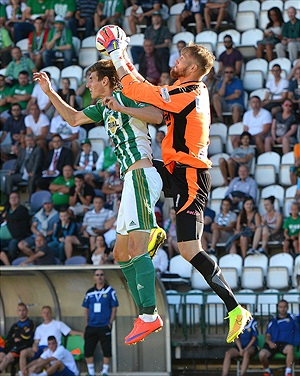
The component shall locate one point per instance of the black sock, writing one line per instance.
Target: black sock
(214, 277)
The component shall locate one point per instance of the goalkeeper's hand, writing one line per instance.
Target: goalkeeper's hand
(109, 41)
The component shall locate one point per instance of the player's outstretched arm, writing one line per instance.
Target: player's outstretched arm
(148, 114)
(71, 116)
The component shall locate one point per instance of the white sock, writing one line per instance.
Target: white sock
(288, 370)
(267, 370)
(105, 368)
(148, 318)
(91, 369)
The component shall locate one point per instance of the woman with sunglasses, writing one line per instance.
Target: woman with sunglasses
(284, 128)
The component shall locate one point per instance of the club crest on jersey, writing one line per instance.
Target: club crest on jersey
(112, 124)
(165, 94)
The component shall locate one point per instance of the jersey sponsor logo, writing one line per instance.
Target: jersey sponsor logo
(112, 124)
(165, 94)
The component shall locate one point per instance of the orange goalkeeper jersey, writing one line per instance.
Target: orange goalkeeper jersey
(187, 115)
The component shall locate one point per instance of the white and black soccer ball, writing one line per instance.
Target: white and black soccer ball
(116, 30)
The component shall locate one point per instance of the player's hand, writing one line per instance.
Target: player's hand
(44, 81)
(111, 103)
(109, 41)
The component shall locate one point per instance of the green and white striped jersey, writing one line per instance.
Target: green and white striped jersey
(130, 135)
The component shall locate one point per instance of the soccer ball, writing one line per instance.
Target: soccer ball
(118, 33)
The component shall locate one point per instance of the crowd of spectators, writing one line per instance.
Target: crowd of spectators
(50, 155)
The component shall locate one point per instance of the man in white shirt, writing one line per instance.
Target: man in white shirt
(277, 91)
(37, 124)
(257, 122)
(55, 359)
(49, 327)
(69, 134)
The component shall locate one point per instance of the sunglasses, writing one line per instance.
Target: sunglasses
(288, 105)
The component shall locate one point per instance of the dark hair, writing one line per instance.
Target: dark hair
(227, 36)
(278, 14)
(243, 213)
(79, 176)
(256, 97)
(247, 134)
(271, 199)
(276, 65)
(24, 72)
(51, 338)
(56, 135)
(39, 19)
(22, 305)
(16, 104)
(105, 68)
(227, 199)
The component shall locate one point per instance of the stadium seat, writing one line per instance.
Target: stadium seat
(269, 158)
(250, 5)
(215, 204)
(180, 271)
(18, 261)
(98, 132)
(174, 299)
(288, 158)
(87, 56)
(54, 72)
(218, 193)
(98, 145)
(282, 259)
(216, 158)
(184, 35)
(284, 63)
(174, 11)
(88, 42)
(257, 64)
(233, 130)
(253, 278)
(290, 191)
(232, 261)
(74, 73)
(208, 36)
(292, 297)
(247, 297)
(75, 344)
(219, 49)
(235, 35)
(284, 175)
(261, 93)
(197, 280)
(278, 278)
(190, 308)
(216, 177)
(214, 310)
(136, 40)
(36, 200)
(263, 19)
(249, 40)
(273, 190)
(266, 5)
(215, 145)
(245, 20)
(219, 129)
(23, 45)
(76, 260)
(267, 302)
(291, 3)
(265, 175)
(253, 80)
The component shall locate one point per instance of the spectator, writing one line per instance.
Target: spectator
(84, 17)
(48, 328)
(64, 9)
(37, 42)
(230, 96)
(295, 169)
(68, 134)
(243, 155)
(106, 163)
(18, 64)
(272, 34)
(101, 254)
(5, 47)
(223, 226)
(4, 259)
(170, 228)
(93, 225)
(27, 168)
(15, 225)
(284, 129)
(247, 229)
(86, 160)
(231, 57)
(193, 12)
(151, 63)
(175, 55)
(83, 94)
(217, 10)
(257, 122)
(212, 82)
(100, 309)
(43, 223)
(112, 188)
(277, 88)
(14, 14)
(291, 232)
(42, 253)
(21, 92)
(290, 36)
(19, 337)
(34, 9)
(81, 196)
(55, 160)
(148, 7)
(241, 187)
(66, 226)
(4, 106)
(54, 360)
(165, 79)
(245, 346)
(271, 223)
(42, 100)
(61, 186)
(66, 93)
(15, 125)
(108, 13)
(110, 226)
(37, 124)
(209, 216)
(59, 44)
(282, 335)
(156, 144)
(293, 90)
(160, 261)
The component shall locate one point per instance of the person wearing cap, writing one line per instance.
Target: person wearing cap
(59, 44)
(42, 224)
(86, 159)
